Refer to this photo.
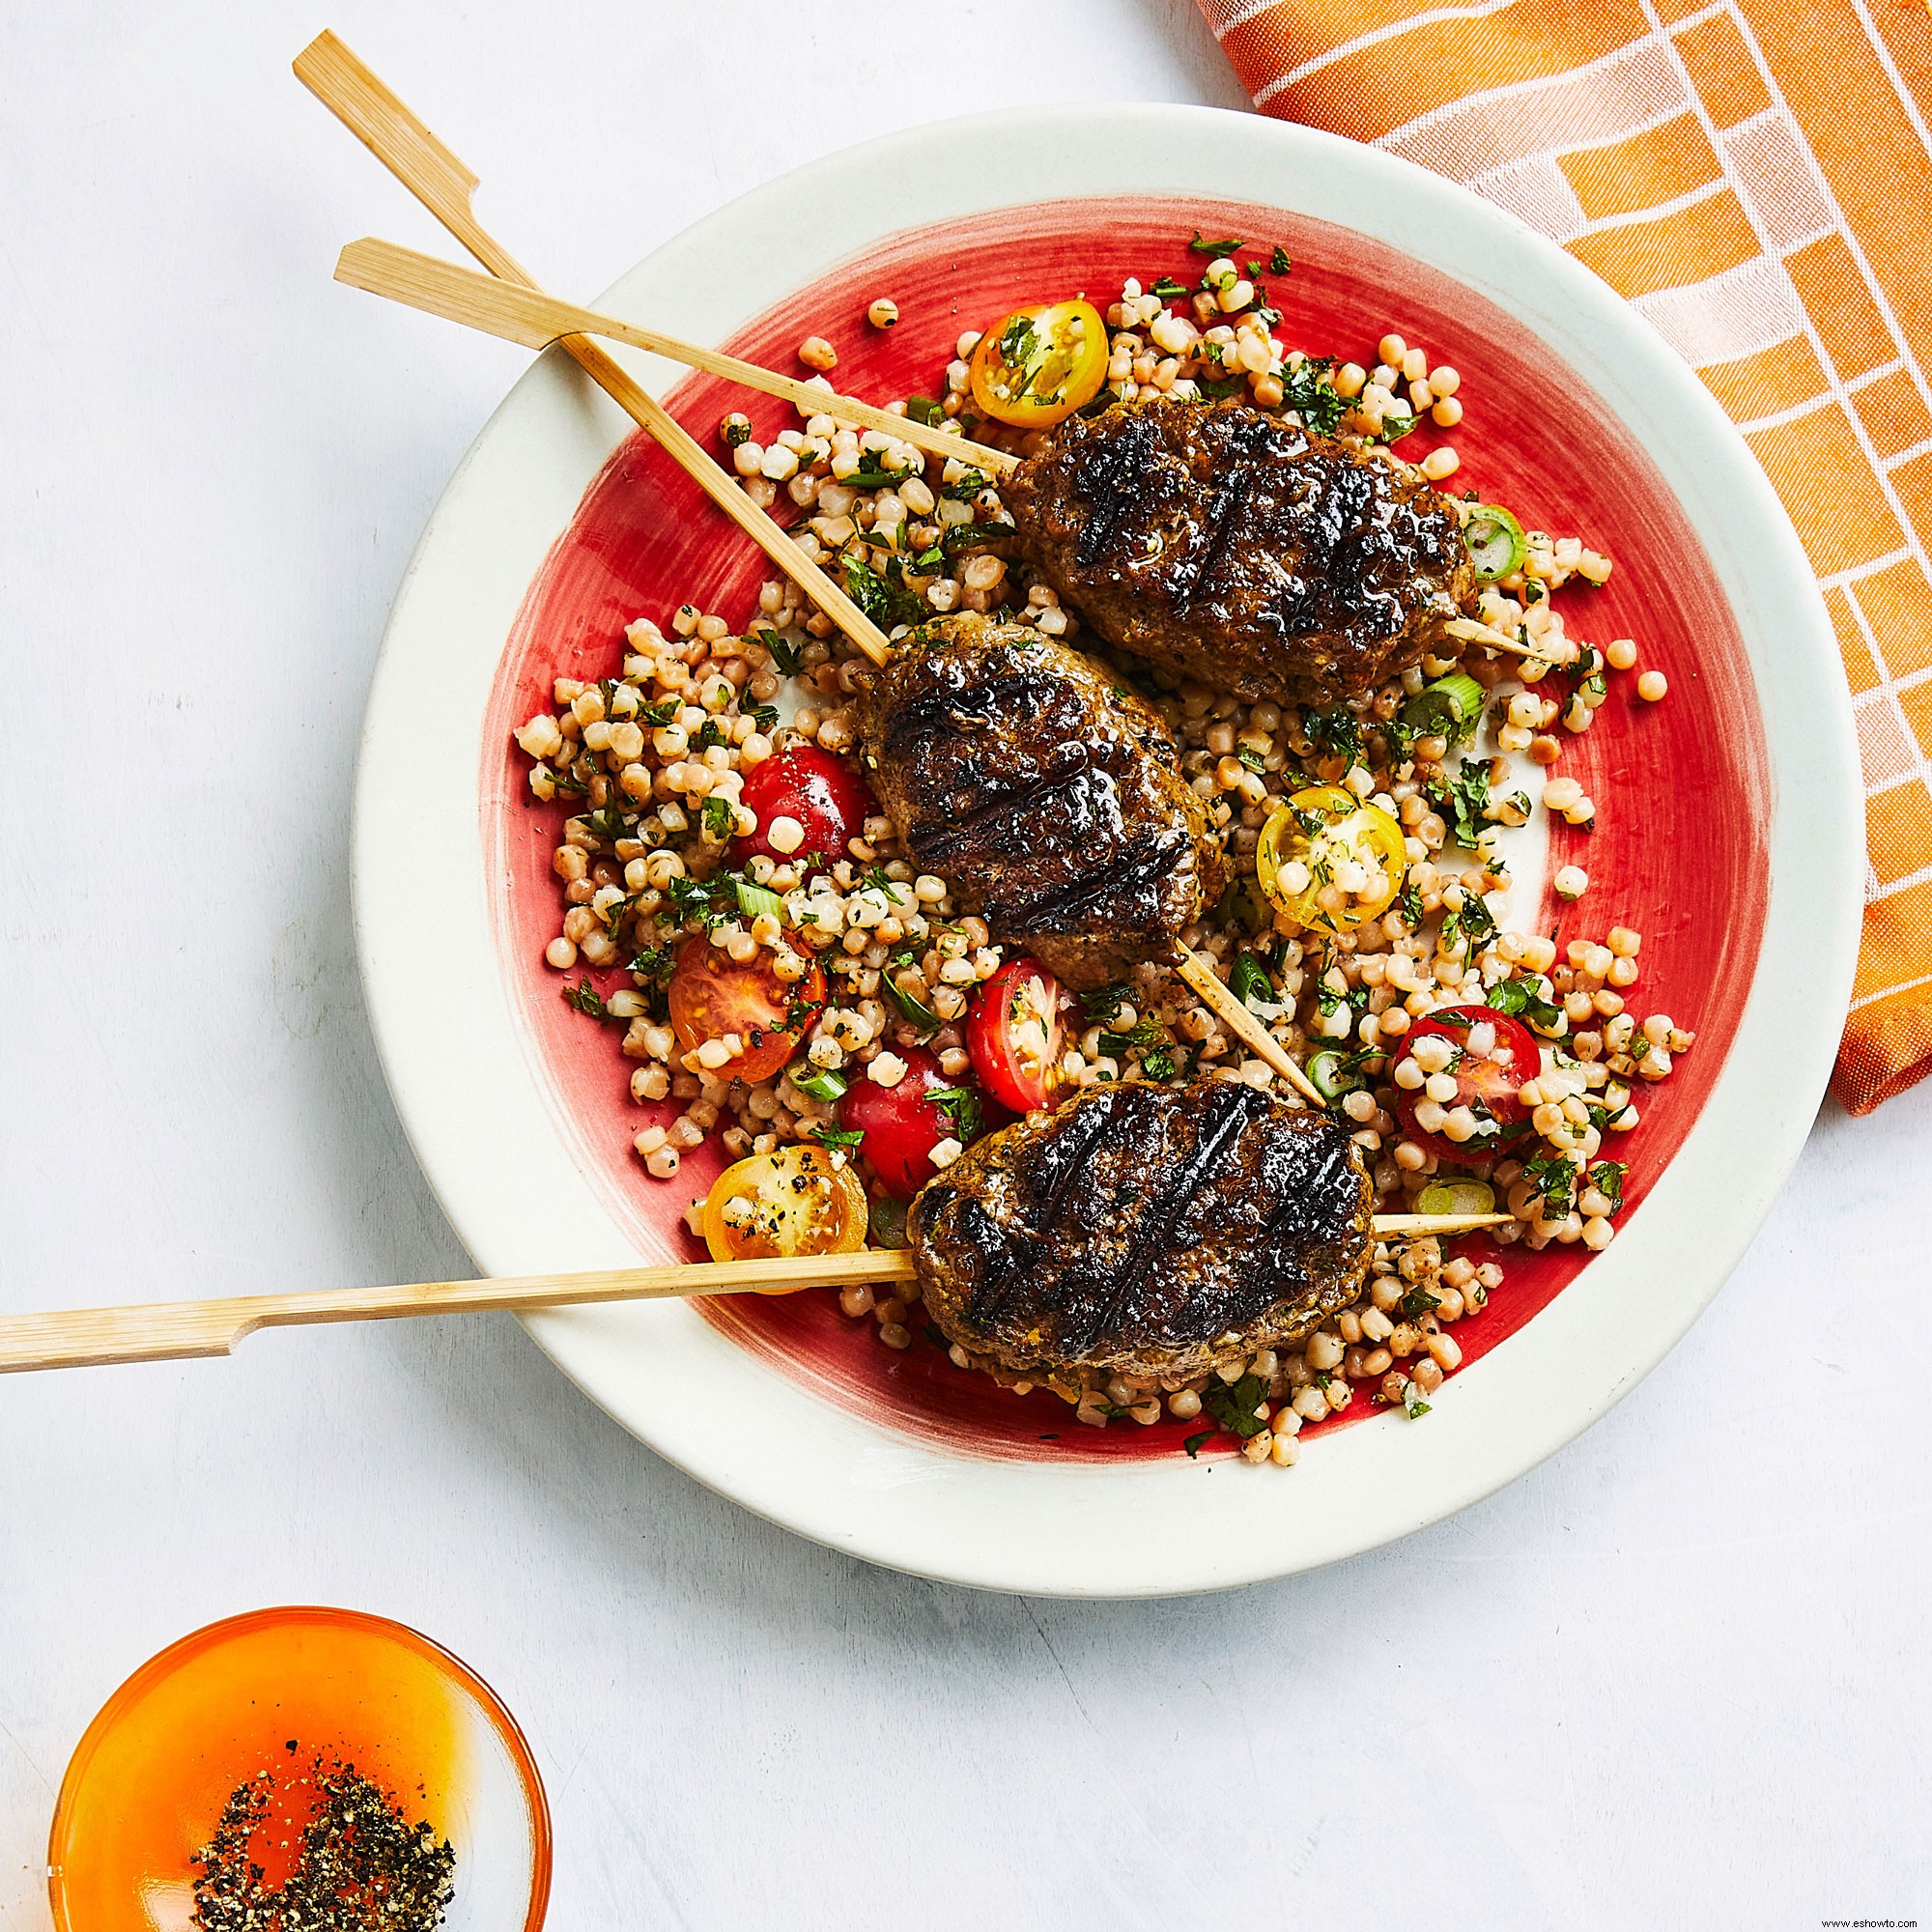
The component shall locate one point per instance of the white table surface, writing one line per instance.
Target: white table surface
(1675, 1677)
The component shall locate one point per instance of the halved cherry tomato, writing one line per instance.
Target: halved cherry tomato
(900, 1125)
(1329, 860)
(1014, 1034)
(1038, 365)
(1487, 1067)
(823, 792)
(713, 997)
(794, 1201)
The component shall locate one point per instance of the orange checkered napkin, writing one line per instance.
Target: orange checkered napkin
(1756, 177)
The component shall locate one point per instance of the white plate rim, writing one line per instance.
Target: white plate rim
(481, 1127)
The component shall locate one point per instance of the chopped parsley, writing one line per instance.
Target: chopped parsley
(1143, 1033)
(1522, 995)
(613, 914)
(710, 901)
(1417, 1303)
(610, 824)
(834, 1137)
(881, 591)
(1168, 289)
(912, 1009)
(1606, 1177)
(961, 1106)
(587, 999)
(1194, 1444)
(1309, 393)
(1408, 903)
(1278, 262)
(1219, 388)
(955, 537)
(784, 655)
(1338, 732)
(1412, 1403)
(1233, 1406)
(1553, 1176)
(1328, 1002)
(1016, 345)
(1100, 1004)
(1228, 245)
(874, 476)
(719, 821)
(653, 968)
(1472, 925)
(1462, 800)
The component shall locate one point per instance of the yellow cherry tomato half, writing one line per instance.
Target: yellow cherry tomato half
(1038, 365)
(794, 1201)
(1328, 860)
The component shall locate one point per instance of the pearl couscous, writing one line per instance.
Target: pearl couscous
(1402, 983)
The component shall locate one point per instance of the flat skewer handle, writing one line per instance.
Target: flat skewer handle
(176, 1330)
(167, 1332)
(444, 185)
(535, 320)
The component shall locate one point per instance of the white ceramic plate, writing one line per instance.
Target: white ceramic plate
(484, 1122)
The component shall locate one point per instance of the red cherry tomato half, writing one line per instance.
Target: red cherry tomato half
(900, 1125)
(823, 792)
(1486, 1081)
(1015, 1036)
(712, 995)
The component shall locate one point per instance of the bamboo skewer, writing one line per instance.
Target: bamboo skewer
(167, 1331)
(513, 307)
(444, 185)
(1219, 996)
(535, 320)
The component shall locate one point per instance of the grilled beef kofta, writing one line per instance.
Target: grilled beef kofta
(1151, 1231)
(1048, 795)
(1231, 547)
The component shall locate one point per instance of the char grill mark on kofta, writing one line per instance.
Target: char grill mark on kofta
(1145, 1229)
(1049, 796)
(1232, 547)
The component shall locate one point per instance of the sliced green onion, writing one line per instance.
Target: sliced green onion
(822, 1084)
(1243, 905)
(1495, 540)
(1457, 1197)
(1249, 978)
(915, 1010)
(755, 901)
(1448, 708)
(888, 1223)
(1331, 1074)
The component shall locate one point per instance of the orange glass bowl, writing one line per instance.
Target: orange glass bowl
(149, 1781)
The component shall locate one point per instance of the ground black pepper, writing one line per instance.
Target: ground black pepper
(353, 1860)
